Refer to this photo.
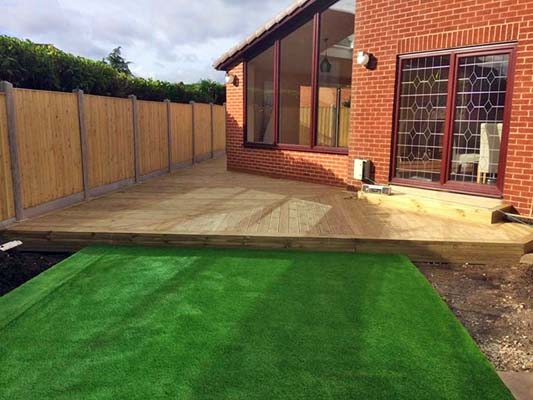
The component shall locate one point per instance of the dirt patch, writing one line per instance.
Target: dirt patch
(495, 304)
(17, 267)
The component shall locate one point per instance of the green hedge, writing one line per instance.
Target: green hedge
(29, 65)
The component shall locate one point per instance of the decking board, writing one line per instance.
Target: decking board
(207, 205)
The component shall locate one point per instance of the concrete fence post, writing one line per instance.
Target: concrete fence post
(83, 143)
(193, 131)
(225, 126)
(7, 89)
(169, 135)
(136, 137)
(212, 131)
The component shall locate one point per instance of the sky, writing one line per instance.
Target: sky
(174, 40)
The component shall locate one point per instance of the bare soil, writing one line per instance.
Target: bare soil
(17, 268)
(495, 304)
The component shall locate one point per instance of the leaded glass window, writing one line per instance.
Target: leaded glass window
(478, 121)
(451, 126)
(423, 96)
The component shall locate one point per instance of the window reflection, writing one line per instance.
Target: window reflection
(295, 86)
(259, 98)
(335, 74)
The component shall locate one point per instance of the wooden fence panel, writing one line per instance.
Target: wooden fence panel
(7, 207)
(326, 125)
(305, 125)
(344, 126)
(219, 127)
(153, 136)
(49, 145)
(109, 123)
(181, 125)
(202, 131)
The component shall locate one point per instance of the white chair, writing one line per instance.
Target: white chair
(489, 150)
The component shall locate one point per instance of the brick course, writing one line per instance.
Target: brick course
(387, 28)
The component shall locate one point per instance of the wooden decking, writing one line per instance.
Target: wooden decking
(207, 205)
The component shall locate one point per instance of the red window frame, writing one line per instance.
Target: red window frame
(276, 84)
(445, 184)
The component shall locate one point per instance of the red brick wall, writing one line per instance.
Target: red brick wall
(312, 167)
(386, 28)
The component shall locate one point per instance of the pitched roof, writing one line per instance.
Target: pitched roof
(268, 27)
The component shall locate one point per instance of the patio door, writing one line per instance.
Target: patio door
(452, 118)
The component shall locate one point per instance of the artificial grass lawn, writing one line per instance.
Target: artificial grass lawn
(158, 323)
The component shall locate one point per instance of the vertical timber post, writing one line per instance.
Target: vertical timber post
(83, 143)
(169, 136)
(135, 112)
(7, 89)
(193, 133)
(212, 131)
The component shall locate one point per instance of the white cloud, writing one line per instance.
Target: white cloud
(172, 40)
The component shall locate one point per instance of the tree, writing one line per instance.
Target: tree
(115, 60)
(44, 67)
(209, 91)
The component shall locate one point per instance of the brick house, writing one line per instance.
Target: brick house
(436, 94)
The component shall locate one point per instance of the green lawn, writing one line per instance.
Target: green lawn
(159, 323)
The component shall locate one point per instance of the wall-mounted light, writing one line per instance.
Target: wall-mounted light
(367, 60)
(230, 79)
(363, 58)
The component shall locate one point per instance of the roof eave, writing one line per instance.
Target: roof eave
(234, 55)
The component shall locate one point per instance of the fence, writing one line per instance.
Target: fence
(57, 149)
(333, 126)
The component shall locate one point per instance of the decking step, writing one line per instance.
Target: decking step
(440, 250)
(475, 209)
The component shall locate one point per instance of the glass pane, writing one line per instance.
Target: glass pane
(259, 96)
(477, 129)
(335, 74)
(422, 113)
(295, 86)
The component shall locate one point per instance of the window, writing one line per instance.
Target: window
(451, 127)
(259, 95)
(335, 74)
(423, 96)
(295, 86)
(298, 91)
(478, 118)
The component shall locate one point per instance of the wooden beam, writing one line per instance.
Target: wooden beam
(7, 88)
(110, 187)
(53, 205)
(417, 250)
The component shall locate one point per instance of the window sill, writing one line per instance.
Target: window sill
(290, 147)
